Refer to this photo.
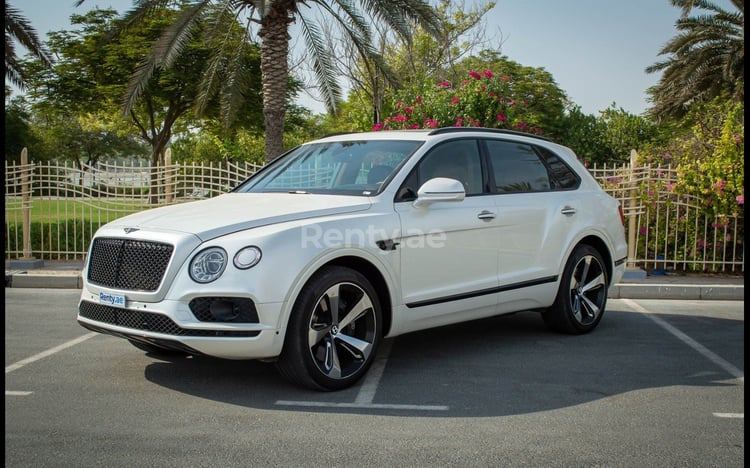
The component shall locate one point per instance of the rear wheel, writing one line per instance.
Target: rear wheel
(582, 296)
(333, 332)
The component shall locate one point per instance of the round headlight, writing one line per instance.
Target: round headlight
(248, 257)
(208, 265)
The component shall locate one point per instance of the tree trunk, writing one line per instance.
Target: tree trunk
(274, 52)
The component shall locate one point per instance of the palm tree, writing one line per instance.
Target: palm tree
(705, 60)
(18, 28)
(272, 19)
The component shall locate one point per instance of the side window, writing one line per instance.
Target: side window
(563, 178)
(517, 168)
(458, 159)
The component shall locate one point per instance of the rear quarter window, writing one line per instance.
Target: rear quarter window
(561, 176)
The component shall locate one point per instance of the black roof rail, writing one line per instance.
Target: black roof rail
(440, 131)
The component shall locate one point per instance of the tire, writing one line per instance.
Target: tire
(330, 348)
(582, 296)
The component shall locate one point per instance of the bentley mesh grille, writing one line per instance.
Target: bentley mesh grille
(148, 321)
(128, 264)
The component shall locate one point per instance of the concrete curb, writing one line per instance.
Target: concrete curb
(637, 290)
(54, 281)
(714, 292)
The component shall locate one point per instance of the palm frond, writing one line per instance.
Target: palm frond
(18, 28)
(322, 64)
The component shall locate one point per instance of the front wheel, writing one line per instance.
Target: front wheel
(582, 296)
(333, 332)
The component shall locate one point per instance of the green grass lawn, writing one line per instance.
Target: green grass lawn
(51, 210)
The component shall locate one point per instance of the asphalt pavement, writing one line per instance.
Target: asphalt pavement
(636, 283)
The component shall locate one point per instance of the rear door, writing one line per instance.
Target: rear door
(537, 208)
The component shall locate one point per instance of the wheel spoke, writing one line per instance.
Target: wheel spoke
(333, 301)
(358, 310)
(594, 283)
(592, 309)
(585, 273)
(576, 305)
(316, 335)
(359, 349)
(331, 364)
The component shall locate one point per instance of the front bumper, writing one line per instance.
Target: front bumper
(171, 325)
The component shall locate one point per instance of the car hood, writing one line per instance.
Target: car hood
(234, 212)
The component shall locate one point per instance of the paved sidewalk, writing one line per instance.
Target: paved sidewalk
(635, 285)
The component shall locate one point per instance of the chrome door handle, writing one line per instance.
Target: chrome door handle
(486, 215)
(568, 210)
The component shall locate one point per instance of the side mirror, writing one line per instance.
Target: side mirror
(440, 189)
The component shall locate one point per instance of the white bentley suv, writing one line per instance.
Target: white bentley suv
(344, 241)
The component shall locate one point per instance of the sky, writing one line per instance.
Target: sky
(596, 50)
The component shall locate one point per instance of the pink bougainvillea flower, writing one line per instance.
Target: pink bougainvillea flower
(413, 126)
(401, 118)
(430, 123)
(419, 99)
(487, 74)
(642, 231)
(505, 78)
(502, 118)
(475, 74)
(455, 100)
(740, 199)
(408, 110)
(377, 127)
(444, 84)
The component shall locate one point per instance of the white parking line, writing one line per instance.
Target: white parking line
(16, 393)
(370, 385)
(49, 352)
(367, 390)
(730, 415)
(707, 353)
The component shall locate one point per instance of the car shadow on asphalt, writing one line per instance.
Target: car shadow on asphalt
(492, 367)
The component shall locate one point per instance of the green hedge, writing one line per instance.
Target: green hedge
(70, 235)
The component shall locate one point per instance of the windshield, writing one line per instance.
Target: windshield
(341, 167)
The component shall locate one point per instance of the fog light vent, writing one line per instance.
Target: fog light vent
(224, 309)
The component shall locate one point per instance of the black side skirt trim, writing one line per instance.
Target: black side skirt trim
(482, 292)
(621, 261)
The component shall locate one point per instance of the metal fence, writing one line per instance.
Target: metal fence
(53, 209)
